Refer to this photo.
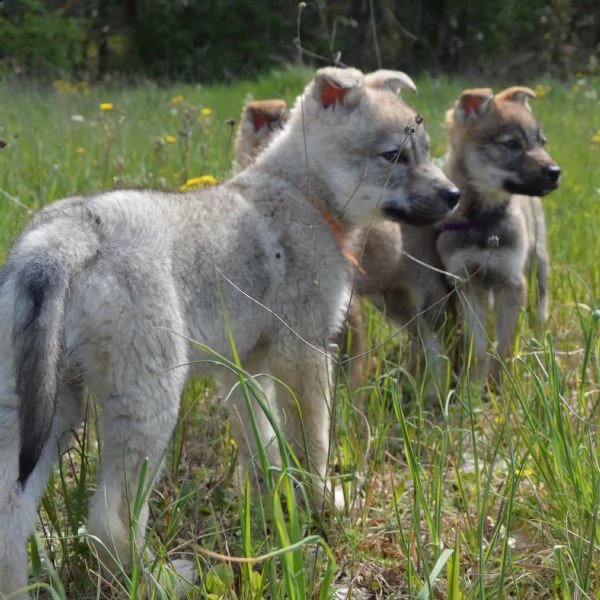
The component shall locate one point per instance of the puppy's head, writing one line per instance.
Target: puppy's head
(500, 143)
(259, 120)
(371, 148)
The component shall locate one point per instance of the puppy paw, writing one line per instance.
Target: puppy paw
(187, 576)
(339, 500)
(178, 578)
(335, 498)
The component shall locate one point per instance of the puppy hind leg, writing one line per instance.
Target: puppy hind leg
(133, 447)
(540, 290)
(537, 271)
(18, 504)
(136, 420)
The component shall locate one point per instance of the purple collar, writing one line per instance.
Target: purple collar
(462, 226)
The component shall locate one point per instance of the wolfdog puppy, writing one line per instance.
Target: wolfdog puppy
(104, 293)
(495, 242)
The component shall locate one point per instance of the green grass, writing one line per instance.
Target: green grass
(511, 485)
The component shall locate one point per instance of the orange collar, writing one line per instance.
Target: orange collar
(339, 234)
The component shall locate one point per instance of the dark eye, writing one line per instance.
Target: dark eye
(511, 144)
(396, 156)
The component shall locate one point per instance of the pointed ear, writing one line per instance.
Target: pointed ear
(338, 87)
(472, 104)
(266, 113)
(395, 81)
(517, 94)
(257, 118)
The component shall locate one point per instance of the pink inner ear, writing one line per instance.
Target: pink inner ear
(472, 103)
(259, 121)
(331, 95)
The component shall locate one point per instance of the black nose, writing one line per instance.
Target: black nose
(552, 172)
(450, 195)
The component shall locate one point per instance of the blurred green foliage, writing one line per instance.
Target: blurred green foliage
(205, 40)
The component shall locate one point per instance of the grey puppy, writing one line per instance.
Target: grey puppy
(495, 243)
(104, 293)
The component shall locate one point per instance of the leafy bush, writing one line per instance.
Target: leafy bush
(38, 39)
(204, 40)
(210, 39)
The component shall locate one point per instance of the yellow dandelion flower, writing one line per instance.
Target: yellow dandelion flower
(196, 182)
(64, 87)
(170, 139)
(106, 106)
(176, 99)
(206, 112)
(525, 472)
(80, 151)
(596, 137)
(542, 90)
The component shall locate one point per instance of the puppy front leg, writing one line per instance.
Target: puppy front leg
(473, 305)
(308, 419)
(244, 411)
(511, 298)
(437, 368)
(355, 326)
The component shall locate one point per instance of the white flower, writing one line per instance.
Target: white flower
(77, 118)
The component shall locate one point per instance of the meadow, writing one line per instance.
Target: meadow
(494, 497)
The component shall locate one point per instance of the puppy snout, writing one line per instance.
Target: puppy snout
(450, 195)
(552, 172)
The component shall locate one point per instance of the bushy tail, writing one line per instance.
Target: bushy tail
(43, 269)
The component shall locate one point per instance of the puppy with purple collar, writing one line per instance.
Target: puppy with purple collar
(494, 244)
